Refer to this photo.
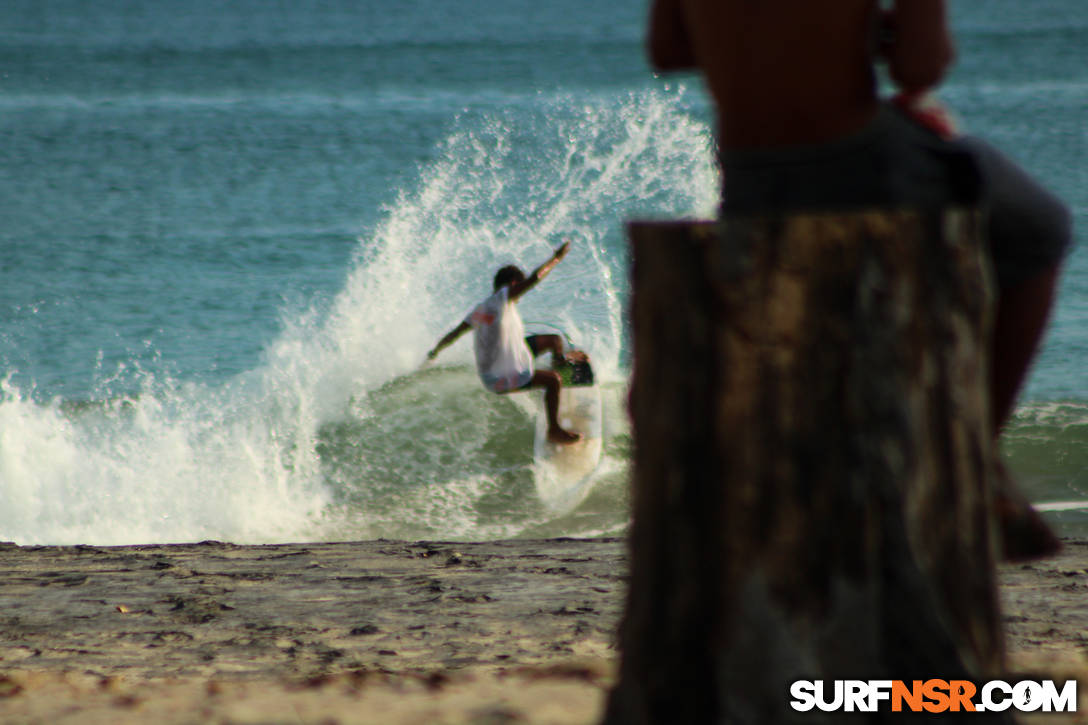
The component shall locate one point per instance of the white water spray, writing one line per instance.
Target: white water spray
(251, 460)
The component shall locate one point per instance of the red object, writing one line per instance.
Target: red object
(929, 112)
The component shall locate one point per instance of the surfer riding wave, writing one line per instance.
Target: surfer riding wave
(504, 355)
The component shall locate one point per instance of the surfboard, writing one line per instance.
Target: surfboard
(564, 472)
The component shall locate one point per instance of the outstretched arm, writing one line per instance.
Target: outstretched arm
(449, 339)
(520, 288)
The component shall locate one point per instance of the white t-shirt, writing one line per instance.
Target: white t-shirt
(503, 360)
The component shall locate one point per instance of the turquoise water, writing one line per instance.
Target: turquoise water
(232, 230)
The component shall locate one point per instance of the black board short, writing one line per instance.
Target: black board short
(895, 161)
(578, 372)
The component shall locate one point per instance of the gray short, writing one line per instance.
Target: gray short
(894, 161)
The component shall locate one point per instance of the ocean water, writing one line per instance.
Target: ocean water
(231, 231)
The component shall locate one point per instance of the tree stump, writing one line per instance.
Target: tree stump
(812, 447)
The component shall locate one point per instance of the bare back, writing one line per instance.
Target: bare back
(782, 72)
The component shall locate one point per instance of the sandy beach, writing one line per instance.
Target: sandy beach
(382, 632)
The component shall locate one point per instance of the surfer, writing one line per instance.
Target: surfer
(504, 355)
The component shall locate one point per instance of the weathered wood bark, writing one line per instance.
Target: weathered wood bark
(812, 442)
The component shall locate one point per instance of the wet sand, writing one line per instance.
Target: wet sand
(382, 632)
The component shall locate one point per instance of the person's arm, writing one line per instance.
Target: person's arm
(449, 339)
(919, 47)
(520, 288)
(668, 43)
